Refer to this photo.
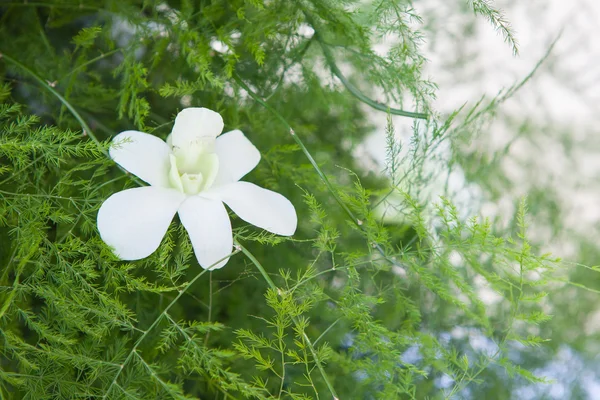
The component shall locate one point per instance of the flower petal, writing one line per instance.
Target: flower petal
(260, 207)
(144, 155)
(237, 157)
(194, 124)
(208, 225)
(134, 221)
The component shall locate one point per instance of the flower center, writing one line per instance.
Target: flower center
(194, 168)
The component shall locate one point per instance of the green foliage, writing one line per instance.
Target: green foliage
(337, 310)
(486, 9)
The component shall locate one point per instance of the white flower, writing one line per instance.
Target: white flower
(192, 174)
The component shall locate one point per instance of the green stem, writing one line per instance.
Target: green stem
(210, 296)
(294, 319)
(327, 330)
(85, 64)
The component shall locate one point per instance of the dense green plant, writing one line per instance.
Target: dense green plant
(348, 308)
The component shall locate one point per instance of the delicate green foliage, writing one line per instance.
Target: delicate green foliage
(353, 306)
(134, 83)
(86, 37)
(497, 19)
(393, 150)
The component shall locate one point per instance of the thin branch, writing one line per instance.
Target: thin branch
(294, 319)
(85, 64)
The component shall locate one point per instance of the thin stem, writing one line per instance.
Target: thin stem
(327, 330)
(48, 196)
(191, 341)
(210, 296)
(282, 352)
(326, 271)
(85, 64)
(294, 319)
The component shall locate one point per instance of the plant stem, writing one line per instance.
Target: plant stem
(294, 319)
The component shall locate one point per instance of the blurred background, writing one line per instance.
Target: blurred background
(543, 143)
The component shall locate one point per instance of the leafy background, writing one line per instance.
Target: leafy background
(386, 291)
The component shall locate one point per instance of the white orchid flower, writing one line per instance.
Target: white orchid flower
(192, 174)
